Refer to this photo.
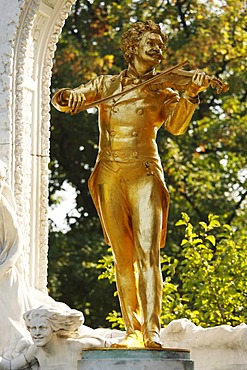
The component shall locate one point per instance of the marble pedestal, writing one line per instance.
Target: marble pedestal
(137, 359)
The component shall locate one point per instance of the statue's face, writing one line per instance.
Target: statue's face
(150, 49)
(41, 331)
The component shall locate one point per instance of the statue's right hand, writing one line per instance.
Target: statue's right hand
(76, 100)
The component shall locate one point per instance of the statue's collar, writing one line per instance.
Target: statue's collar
(130, 76)
(131, 73)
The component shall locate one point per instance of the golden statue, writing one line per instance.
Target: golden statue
(127, 184)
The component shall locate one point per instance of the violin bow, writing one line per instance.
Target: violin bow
(147, 82)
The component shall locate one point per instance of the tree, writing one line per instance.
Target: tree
(205, 169)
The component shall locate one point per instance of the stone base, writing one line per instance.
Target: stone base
(138, 359)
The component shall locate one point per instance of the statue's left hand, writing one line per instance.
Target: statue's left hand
(200, 81)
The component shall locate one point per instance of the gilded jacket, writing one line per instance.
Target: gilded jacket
(129, 124)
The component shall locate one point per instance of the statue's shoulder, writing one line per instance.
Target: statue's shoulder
(110, 83)
(111, 78)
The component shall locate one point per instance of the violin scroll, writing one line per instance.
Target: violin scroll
(218, 84)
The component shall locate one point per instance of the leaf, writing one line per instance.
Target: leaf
(180, 223)
(212, 239)
(184, 241)
(185, 217)
(227, 227)
(213, 224)
(204, 225)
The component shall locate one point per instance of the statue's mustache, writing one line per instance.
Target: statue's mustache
(155, 53)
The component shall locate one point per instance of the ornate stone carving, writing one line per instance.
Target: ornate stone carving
(45, 138)
(50, 3)
(22, 123)
(37, 33)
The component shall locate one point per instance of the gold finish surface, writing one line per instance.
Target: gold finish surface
(127, 184)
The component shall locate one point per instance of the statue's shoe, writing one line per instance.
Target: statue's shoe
(130, 341)
(152, 340)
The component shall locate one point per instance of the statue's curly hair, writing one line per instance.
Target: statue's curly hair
(64, 321)
(132, 37)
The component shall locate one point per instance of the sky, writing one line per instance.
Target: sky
(57, 212)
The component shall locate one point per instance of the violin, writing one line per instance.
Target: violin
(173, 77)
(180, 78)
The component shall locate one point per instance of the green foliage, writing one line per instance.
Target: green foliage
(205, 169)
(107, 265)
(211, 275)
(206, 283)
(116, 320)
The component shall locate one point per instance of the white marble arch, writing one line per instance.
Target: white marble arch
(25, 132)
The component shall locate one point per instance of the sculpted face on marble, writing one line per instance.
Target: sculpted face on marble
(127, 184)
(41, 331)
(57, 340)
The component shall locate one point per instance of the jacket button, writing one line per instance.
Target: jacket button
(140, 112)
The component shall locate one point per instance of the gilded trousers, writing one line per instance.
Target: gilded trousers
(130, 199)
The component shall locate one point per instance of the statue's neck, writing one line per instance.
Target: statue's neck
(137, 71)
